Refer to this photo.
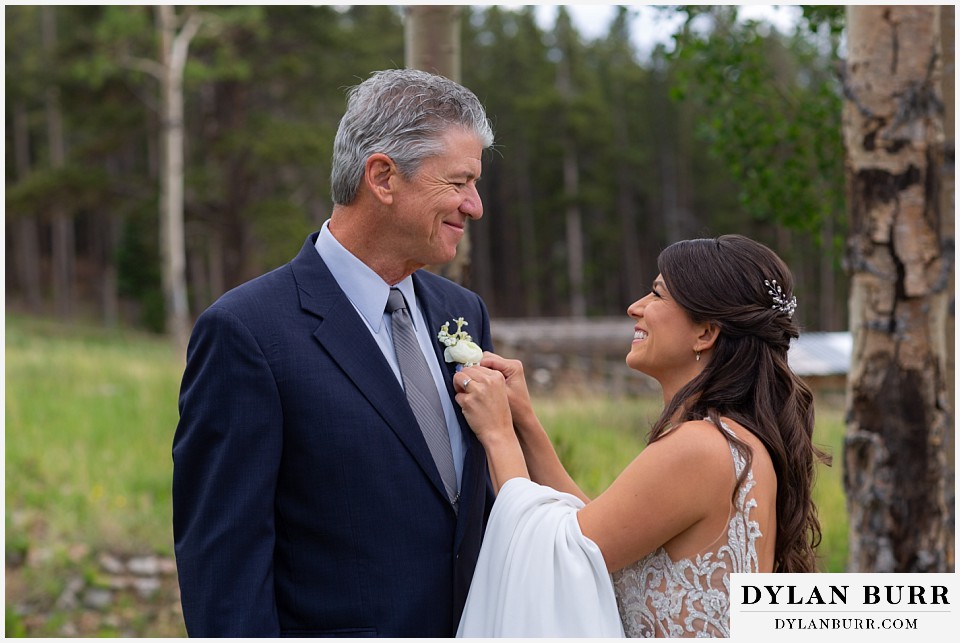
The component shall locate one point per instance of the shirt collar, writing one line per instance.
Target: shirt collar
(365, 289)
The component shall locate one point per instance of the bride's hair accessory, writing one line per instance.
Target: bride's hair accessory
(780, 300)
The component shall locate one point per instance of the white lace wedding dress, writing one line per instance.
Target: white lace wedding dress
(538, 575)
(690, 597)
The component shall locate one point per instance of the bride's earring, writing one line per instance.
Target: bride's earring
(698, 356)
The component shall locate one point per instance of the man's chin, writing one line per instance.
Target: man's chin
(446, 255)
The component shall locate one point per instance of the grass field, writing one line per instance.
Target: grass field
(89, 421)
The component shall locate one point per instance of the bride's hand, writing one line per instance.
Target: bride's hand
(482, 394)
(521, 408)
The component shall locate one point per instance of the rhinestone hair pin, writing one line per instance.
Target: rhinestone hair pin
(780, 301)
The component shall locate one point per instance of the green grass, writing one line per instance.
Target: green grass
(597, 438)
(90, 417)
(828, 491)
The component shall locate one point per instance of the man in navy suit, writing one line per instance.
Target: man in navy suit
(306, 500)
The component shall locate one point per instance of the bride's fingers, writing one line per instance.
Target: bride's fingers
(463, 379)
(480, 380)
(461, 382)
(471, 374)
(482, 394)
(509, 367)
(494, 361)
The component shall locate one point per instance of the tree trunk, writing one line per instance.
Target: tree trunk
(104, 243)
(432, 39)
(481, 263)
(574, 227)
(27, 253)
(631, 284)
(173, 58)
(948, 206)
(674, 158)
(432, 43)
(532, 305)
(63, 242)
(826, 285)
(573, 217)
(895, 469)
(218, 280)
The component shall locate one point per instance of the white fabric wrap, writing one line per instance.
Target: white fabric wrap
(537, 574)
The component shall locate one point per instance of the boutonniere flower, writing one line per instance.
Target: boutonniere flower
(459, 345)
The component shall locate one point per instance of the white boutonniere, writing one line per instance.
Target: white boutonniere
(459, 345)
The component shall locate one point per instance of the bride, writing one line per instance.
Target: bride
(723, 486)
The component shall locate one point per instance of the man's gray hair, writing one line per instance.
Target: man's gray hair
(402, 113)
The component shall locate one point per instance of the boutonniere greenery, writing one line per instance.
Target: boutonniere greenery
(459, 345)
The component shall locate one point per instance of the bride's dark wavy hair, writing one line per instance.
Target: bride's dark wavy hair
(747, 378)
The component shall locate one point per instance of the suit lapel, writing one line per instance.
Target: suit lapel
(436, 310)
(343, 334)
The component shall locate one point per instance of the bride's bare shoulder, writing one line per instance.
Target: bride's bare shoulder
(695, 450)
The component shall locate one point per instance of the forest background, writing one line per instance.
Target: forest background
(603, 157)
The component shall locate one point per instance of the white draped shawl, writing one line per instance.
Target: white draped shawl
(537, 574)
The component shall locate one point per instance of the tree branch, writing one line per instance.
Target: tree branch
(181, 43)
(145, 65)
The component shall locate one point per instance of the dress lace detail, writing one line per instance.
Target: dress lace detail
(659, 597)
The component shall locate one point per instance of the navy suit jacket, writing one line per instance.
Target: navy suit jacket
(305, 499)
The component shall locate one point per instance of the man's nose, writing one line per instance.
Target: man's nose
(472, 206)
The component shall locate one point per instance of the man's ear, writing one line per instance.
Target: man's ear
(708, 337)
(378, 174)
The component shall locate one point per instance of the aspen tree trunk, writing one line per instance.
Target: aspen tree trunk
(432, 39)
(948, 206)
(432, 43)
(898, 409)
(174, 45)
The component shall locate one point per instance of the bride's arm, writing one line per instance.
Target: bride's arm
(541, 459)
(678, 482)
(482, 394)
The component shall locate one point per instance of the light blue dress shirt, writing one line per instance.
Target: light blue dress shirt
(368, 293)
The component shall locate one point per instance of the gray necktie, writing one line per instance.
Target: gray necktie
(421, 392)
